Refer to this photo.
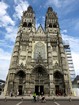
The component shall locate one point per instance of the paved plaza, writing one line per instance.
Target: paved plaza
(29, 101)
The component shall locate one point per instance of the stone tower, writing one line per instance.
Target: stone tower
(38, 62)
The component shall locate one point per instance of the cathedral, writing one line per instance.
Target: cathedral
(38, 63)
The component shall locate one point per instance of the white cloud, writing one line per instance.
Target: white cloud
(15, 1)
(37, 25)
(11, 33)
(7, 23)
(67, 2)
(74, 45)
(75, 57)
(42, 21)
(5, 44)
(64, 31)
(65, 6)
(5, 19)
(60, 3)
(4, 66)
(4, 63)
(57, 3)
(73, 41)
(8, 20)
(4, 55)
(20, 7)
(77, 25)
(3, 8)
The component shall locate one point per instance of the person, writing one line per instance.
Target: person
(43, 98)
(38, 98)
(17, 92)
(34, 96)
(11, 94)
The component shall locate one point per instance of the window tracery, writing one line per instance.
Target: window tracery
(39, 50)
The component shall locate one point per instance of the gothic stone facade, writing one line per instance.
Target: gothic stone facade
(38, 62)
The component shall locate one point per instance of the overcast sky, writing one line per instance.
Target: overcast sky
(10, 16)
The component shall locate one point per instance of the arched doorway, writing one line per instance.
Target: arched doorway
(41, 79)
(20, 78)
(59, 83)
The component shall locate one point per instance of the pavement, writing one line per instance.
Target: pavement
(28, 100)
(31, 102)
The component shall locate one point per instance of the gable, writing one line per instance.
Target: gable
(40, 31)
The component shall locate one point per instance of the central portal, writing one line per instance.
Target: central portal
(39, 90)
(41, 80)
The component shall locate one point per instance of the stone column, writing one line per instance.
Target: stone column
(29, 57)
(50, 67)
(52, 86)
(67, 86)
(28, 83)
(15, 54)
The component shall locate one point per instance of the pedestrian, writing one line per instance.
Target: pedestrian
(43, 98)
(17, 92)
(11, 94)
(34, 96)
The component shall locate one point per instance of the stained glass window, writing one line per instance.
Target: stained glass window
(39, 50)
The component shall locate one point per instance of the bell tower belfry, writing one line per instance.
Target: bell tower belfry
(55, 48)
(38, 63)
(28, 20)
(21, 55)
(51, 21)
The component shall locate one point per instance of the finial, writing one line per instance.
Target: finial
(49, 9)
(30, 9)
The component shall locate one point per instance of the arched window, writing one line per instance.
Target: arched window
(58, 75)
(50, 25)
(24, 24)
(29, 24)
(21, 74)
(39, 49)
(55, 26)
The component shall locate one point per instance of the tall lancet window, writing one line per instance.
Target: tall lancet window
(39, 50)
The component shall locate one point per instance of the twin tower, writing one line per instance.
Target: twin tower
(38, 63)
